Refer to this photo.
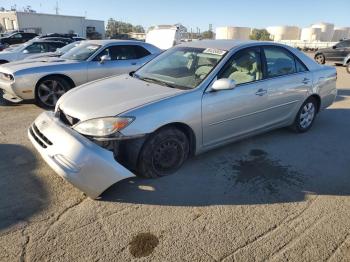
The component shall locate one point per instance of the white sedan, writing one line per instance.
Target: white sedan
(23, 51)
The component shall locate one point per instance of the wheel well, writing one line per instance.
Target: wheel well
(188, 132)
(318, 100)
(68, 79)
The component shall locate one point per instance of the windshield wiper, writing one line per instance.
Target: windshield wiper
(156, 81)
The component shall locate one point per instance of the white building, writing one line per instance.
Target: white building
(327, 31)
(278, 33)
(233, 32)
(50, 23)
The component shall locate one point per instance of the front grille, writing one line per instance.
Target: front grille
(66, 119)
(39, 137)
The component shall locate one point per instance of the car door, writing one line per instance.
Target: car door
(228, 114)
(287, 81)
(121, 59)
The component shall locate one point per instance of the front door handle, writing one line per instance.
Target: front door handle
(261, 92)
(133, 63)
(306, 81)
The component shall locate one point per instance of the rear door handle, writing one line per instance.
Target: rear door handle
(306, 81)
(261, 92)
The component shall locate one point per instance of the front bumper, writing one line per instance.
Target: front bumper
(9, 93)
(81, 162)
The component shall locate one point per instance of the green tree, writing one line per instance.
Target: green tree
(139, 29)
(116, 28)
(260, 34)
(207, 35)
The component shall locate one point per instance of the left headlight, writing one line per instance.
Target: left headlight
(7, 77)
(103, 126)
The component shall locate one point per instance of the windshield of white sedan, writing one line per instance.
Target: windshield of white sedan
(81, 52)
(181, 67)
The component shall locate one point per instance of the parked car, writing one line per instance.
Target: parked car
(59, 39)
(59, 52)
(336, 53)
(191, 98)
(346, 61)
(16, 38)
(46, 80)
(32, 47)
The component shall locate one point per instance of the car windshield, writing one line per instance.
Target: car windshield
(181, 67)
(81, 52)
(65, 49)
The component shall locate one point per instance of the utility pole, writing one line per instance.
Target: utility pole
(56, 8)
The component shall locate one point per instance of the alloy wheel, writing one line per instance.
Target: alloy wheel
(49, 91)
(307, 115)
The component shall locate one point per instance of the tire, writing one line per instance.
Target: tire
(306, 116)
(49, 90)
(320, 58)
(163, 153)
(348, 67)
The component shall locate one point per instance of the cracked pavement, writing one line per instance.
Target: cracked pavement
(278, 196)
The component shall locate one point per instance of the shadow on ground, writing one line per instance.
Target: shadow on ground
(271, 168)
(21, 193)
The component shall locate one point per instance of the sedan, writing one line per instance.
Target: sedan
(22, 51)
(190, 99)
(46, 80)
(335, 53)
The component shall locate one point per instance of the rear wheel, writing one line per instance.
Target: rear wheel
(163, 153)
(306, 116)
(49, 90)
(320, 58)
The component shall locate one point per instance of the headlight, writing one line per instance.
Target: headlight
(103, 126)
(7, 77)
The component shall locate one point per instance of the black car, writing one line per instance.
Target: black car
(59, 39)
(336, 53)
(16, 38)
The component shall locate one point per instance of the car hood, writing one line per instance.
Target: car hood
(111, 96)
(36, 63)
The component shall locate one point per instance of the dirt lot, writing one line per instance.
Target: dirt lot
(278, 196)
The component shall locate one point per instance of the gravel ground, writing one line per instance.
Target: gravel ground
(277, 196)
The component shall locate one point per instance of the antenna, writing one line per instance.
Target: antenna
(56, 8)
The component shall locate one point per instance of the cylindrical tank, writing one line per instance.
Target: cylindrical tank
(340, 33)
(327, 31)
(233, 32)
(310, 34)
(284, 32)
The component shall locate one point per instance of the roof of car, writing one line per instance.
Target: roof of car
(111, 41)
(219, 44)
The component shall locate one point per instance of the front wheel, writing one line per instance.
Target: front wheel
(320, 58)
(163, 153)
(306, 116)
(49, 90)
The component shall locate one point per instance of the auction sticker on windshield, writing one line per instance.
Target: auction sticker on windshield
(214, 51)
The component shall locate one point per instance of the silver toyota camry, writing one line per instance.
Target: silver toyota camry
(192, 98)
(47, 79)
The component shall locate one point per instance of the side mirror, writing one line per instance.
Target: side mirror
(25, 51)
(223, 84)
(105, 58)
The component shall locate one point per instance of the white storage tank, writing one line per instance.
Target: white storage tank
(279, 33)
(310, 34)
(340, 33)
(233, 32)
(327, 31)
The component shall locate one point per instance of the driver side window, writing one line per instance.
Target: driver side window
(243, 67)
(36, 48)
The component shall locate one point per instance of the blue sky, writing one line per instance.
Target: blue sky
(251, 13)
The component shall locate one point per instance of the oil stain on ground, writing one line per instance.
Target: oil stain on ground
(266, 174)
(143, 244)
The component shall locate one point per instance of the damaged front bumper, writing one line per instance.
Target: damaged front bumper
(84, 164)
